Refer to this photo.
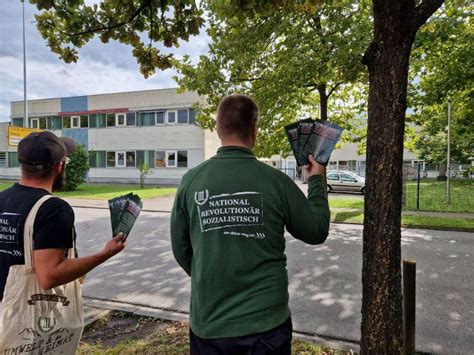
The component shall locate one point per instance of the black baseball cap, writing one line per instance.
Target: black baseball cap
(44, 149)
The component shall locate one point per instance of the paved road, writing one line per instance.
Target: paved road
(325, 286)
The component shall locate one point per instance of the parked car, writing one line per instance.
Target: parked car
(345, 181)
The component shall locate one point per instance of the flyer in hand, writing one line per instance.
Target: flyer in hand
(314, 137)
(124, 211)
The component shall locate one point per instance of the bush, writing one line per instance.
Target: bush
(76, 170)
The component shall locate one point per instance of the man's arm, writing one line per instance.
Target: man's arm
(308, 219)
(180, 235)
(53, 269)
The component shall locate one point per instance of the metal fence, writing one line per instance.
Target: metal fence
(421, 193)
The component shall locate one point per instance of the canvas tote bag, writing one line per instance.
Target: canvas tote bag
(37, 321)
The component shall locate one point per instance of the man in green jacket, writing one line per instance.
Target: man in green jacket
(227, 233)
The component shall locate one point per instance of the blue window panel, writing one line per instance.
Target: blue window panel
(74, 104)
(80, 136)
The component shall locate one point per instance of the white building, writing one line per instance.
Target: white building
(120, 131)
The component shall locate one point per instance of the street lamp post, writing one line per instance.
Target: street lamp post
(449, 153)
(25, 102)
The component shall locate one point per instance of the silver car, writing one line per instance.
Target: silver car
(345, 181)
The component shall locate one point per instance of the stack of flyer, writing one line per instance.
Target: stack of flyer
(314, 137)
(124, 211)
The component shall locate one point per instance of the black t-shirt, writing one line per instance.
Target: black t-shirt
(53, 227)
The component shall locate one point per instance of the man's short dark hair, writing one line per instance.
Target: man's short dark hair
(31, 172)
(236, 116)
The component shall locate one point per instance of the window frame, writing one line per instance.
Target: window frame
(117, 115)
(107, 159)
(117, 152)
(175, 152)
(78, 122)
(36, 119)
(167, 121)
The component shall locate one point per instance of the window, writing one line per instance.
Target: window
(3, 159)
(171, 159)
(75, 121)
(130, 156)
(148, 118)
(66, 122)
(97, 121)
(97, 159)
(160, 117)
(120, 119)
(85, 121)
(192, 116)
(146, 157)
(182, 159)
(110, 159)
(120, 159)
(182, 116)
(13, 160)
(333, 177)
(346, 177)
(160, 156)
(17, 122)
(131, 119)
(110, 120)
(171, 116)
(56, 122)
(34, 123)
(43, 122)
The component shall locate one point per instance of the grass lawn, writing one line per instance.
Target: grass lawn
(106, 192)
(357, 216)
(433, 195)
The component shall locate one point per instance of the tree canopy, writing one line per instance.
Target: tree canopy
(293, 60)
(143, 25)
(442, 70)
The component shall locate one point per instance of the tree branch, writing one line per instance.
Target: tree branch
(423, 12)
(143, 5)
(335, 87)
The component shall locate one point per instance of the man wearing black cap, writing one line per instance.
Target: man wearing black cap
(43, 158)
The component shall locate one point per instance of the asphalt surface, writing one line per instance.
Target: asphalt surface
(325, 280)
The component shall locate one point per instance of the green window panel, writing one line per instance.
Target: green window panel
(56, 122)
(66, 122)
(13, 160)
(147, 157)
(110, 119)
(17, 122)
(97, 159)
(84, 121)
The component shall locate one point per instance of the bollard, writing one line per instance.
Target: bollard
(409, 305)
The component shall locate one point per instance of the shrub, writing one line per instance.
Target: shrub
(144, 172)
(76, 170)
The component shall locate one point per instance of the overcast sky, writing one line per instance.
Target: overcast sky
(101, 68)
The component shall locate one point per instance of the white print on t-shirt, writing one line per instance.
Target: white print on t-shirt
(246, 235)
(229, 210)
(9, 234)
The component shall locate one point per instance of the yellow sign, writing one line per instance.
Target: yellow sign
(16, 134)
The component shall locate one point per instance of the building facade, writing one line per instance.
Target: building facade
(120, 131)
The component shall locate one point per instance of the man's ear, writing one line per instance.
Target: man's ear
(59, 167)
(254, 132)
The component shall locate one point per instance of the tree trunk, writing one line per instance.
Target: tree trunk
(323, 102)
(387, 59)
